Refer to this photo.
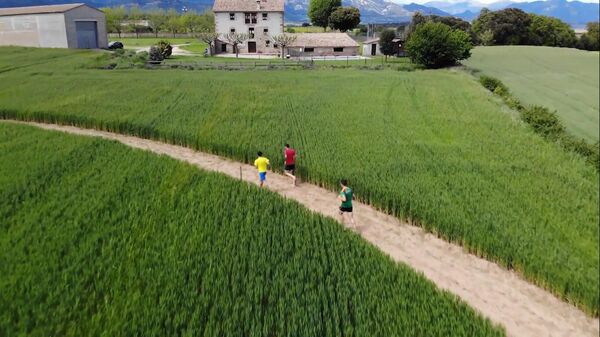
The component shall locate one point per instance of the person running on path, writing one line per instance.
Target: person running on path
(262, 163)
(290, 163)
(346, 198)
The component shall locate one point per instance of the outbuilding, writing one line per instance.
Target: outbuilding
(54, 26)
(371, 47)
(323, 44)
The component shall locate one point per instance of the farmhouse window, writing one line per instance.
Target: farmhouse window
(251, 32)
(264, 16)
(232, 30)
(275, 45)
(338, 49)
(309, 50)
(267, 43)
(266, 30)
(223, 48)
(250, 18)
(232, 16)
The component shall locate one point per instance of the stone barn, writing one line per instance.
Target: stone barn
(323, 44)
(54, 26)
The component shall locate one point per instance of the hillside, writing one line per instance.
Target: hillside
(430, 146)
(562, 79)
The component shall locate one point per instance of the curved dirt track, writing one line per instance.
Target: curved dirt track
(502, 295)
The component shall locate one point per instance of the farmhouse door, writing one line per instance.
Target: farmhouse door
(373, 49)
(252, 47)
(87, 36)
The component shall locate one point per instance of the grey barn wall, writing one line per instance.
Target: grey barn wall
(33, 30)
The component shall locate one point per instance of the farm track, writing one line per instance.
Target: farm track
(502, 295)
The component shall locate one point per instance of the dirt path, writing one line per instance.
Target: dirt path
(503, 296)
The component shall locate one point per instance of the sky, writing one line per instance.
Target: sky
(474, 1)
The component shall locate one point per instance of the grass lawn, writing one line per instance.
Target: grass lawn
(97, 239)
(562, 79)
(432, 146)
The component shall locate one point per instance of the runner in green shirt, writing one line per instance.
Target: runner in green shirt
(346, 198)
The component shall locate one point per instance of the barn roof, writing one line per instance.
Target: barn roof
(248, 6)
(323, 40)
(40, 9)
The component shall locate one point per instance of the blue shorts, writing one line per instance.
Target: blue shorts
(262, 176)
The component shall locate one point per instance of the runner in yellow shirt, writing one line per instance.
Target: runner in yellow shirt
(262, 163)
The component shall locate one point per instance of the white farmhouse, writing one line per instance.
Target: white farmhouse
(55, 26)
(260, 19)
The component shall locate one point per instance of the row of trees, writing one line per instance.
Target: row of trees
(330, 13)
(513, 26)
(120, 20)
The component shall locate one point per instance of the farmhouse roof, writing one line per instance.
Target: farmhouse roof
(248, 6)
(40, 9)
(373, 40)
(323, 40)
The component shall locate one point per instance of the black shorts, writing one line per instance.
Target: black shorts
(346, 209)
(291, 167)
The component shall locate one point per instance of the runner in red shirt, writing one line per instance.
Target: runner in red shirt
(290, 163)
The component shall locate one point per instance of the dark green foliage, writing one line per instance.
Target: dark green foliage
(491, 83)
(436, 45)
(509, 26)
(100, 240)
(344, 18)
(548, 31)
(155, 54)
(386, 45)
(591, 39)
(319, 11)
(543, 121)
(165, 48)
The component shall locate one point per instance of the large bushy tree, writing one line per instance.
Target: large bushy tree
(590, 40)
(386, 43)
(319, 11)
(344, 18)
(547, 31)
(436, 45)
(509, 26)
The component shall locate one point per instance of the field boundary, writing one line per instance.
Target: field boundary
(522, 308)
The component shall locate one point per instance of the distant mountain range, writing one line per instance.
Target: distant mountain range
(575, 13)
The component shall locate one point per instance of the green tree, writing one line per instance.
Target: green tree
(436, 45)
(547, 31)
(386, 43)
(486, 38)
(416, 20)
(590, 40)
(114, 19)
(175, 25)
(319, 11)
(509, 26)
(157, 20)
(191, 22)
(344, 18)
